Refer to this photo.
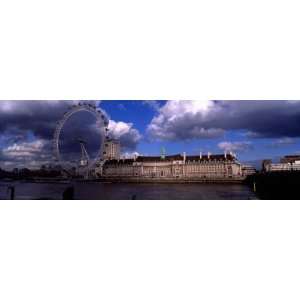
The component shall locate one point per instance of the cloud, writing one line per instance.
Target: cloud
(19, 117)
(184, 120)
(130, 154)
(26, 154)
(122, 107)
(153, 104)
(286, 141)
(22, 122)
(235, 146)
(128, 136)
(24, 149)
(253, 135)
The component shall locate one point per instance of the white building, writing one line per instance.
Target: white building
(287, 163)
(248, 170)
(283, 167)
(175, 166)
(112, 149)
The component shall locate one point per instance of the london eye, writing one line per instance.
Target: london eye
(86, 162)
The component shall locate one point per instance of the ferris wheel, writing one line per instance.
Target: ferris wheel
(102, 123)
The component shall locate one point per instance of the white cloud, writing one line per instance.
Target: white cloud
(235, 146)
(26, 154)
(117, 129)
(177, 107)
(128, 136)
(183, 120)
(286, 141)
(25, 149)
(152, 104)
(251, 134)
(130, 154)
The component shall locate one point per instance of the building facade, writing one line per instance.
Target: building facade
(290, 159)
(248, 170)
(287, 163)
(112, 150)
(175, 166)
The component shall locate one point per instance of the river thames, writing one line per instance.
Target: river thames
(126, 191)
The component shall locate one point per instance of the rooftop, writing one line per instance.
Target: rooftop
(289, 158)
(176, 157)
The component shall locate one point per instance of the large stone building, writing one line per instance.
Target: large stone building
(112, 149)
(222, 166)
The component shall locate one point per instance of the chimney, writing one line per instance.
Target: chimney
(208, 155)
(200, 155)
(225, 154)
(184, 157)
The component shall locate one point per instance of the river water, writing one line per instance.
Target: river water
(127, 191)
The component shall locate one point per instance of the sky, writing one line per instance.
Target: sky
(254, 130)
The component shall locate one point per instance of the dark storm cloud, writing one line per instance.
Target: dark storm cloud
(26, 154)
(263, 118)
(179, 120)
(17, 118)
(23, 123)
(40, 117)
(27, 129)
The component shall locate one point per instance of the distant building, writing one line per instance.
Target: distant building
(112, 149)
(287, 163)
(290, 159)
(248, 170)
(265, 164)
(177, 166)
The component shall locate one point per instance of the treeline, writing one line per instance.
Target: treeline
(27, 173)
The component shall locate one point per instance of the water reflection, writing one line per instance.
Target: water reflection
(127, 191)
